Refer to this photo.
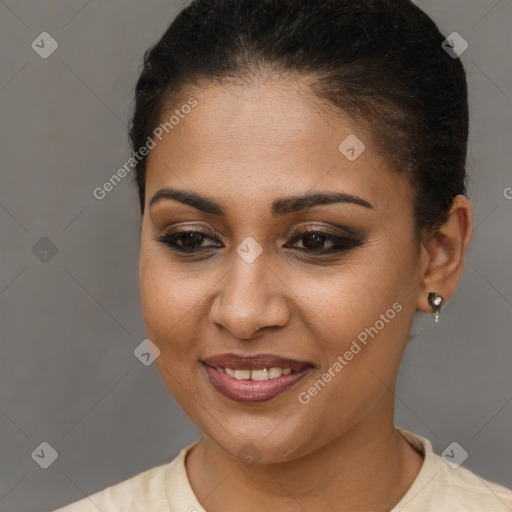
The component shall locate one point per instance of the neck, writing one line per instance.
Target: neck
(369, 467)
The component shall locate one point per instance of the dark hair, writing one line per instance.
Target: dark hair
(379, 61)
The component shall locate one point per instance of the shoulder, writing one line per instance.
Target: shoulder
(441, 485)
(144, 491)
(471, 492)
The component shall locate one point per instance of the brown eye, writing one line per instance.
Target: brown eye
(318, 242)
(188, 241)
(312, 241)
(315, 241)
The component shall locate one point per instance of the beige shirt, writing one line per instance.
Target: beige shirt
(438, 487)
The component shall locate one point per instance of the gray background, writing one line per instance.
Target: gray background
(69, 325)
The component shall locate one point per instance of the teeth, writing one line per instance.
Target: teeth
(259, 374)
(242, 374)
(273, 373)
(262, 374)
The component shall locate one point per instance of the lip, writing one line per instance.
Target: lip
(255, 362)
(251, 391)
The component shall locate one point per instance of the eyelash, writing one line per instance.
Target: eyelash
(341, 244)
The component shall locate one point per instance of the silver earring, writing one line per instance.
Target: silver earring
(435, 300)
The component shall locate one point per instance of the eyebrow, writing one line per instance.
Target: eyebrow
(282, 206)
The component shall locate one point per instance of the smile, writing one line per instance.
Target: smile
(254, 378)
(263, 374)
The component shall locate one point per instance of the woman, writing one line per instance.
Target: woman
(301, 174)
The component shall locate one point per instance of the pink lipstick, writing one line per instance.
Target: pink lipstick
(255, 378)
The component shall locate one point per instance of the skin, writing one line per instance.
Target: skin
(245, 146)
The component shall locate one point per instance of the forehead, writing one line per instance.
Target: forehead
(252, 143)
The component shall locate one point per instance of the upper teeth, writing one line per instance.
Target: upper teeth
(263, 374)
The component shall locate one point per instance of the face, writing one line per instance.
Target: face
(243, 271)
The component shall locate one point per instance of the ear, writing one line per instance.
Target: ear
(443, 254)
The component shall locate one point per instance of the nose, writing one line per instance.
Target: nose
(252, 297)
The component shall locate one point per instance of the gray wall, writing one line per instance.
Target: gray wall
(71, 320)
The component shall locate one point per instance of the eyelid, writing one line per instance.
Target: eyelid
(291, 233)
(171, 229)
(338, 239)
(338, 231)
(343, 243)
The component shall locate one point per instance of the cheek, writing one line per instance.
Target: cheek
(346, 299)
(362, 312)
(169, 307)
(169, 303)
(360, 322)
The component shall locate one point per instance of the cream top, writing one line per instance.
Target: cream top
(438, 487)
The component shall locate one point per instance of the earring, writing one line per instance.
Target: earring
(435, 300)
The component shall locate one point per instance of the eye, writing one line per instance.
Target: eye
(315, 241)
(188, 241)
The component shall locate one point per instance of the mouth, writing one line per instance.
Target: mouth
(255, 378)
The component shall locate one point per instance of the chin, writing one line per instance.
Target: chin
(258, 441)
